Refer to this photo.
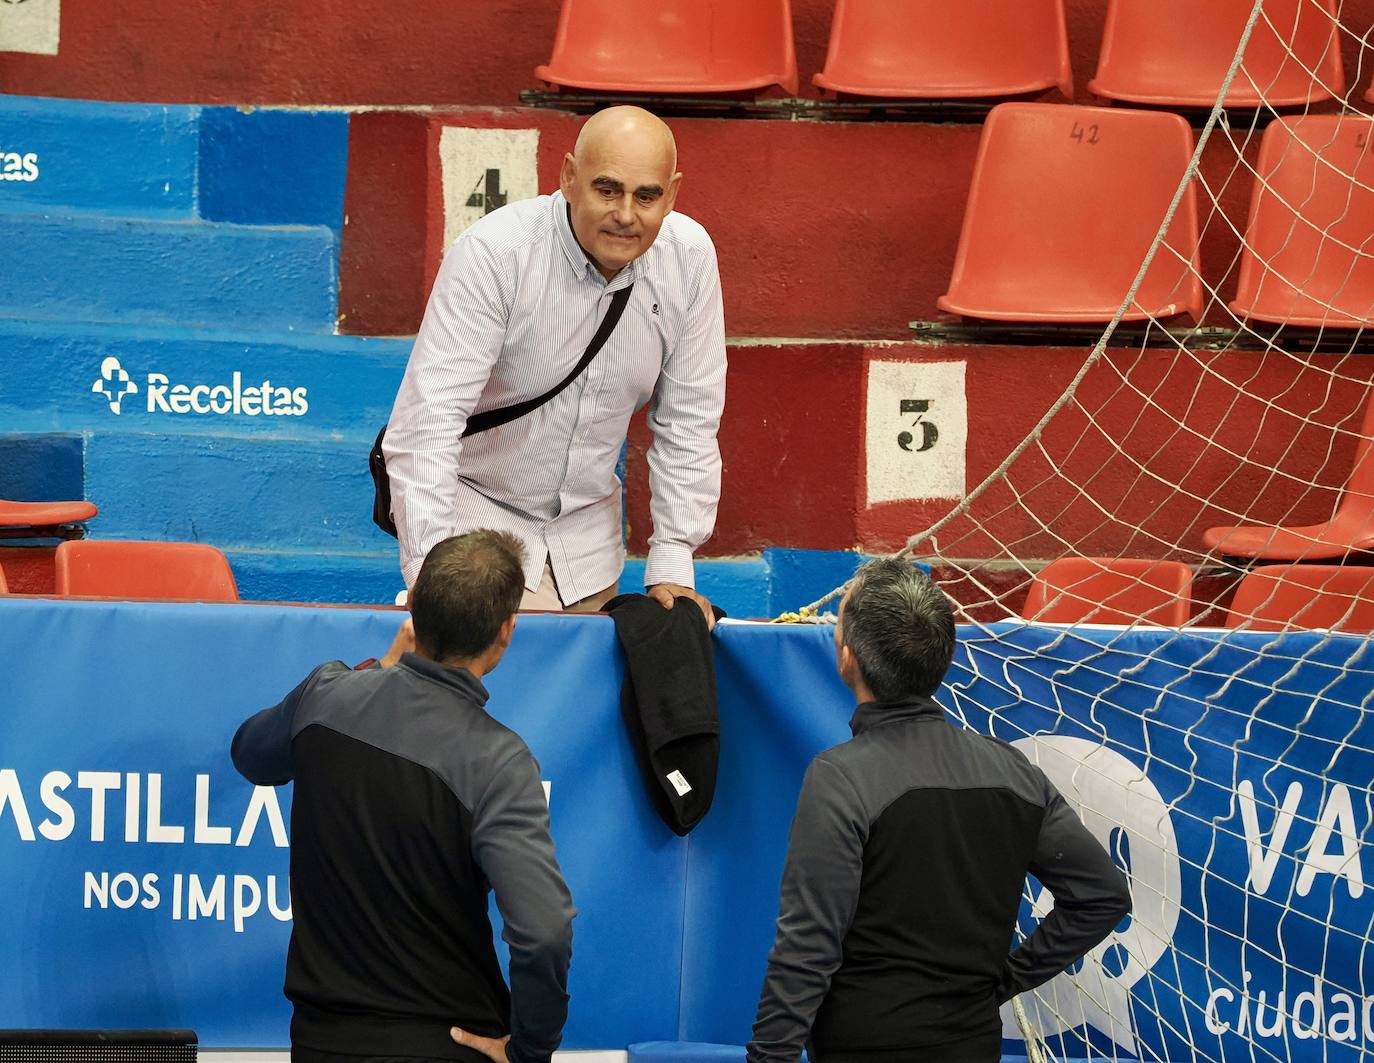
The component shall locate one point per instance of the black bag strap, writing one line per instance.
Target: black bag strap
(489, 419)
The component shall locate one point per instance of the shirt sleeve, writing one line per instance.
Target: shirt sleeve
(261, 750)
(684, 458)
(460, 338)
(513, 847)
(820, 890)
(1091, 897)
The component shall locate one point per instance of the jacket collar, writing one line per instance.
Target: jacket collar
(875, 713)
(459, 680)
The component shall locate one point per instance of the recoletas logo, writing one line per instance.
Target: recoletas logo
(234, 397)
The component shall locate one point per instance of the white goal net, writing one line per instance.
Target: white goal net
(1202, 688)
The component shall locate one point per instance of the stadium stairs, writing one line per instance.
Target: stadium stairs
(163, 251)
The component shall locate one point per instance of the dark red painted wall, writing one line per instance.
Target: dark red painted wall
(433, 52)
(1167, 444)
(841, 229)
(823, 230)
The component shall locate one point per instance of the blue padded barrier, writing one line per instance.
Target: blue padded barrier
(111, 158)
(90, 268)
(673, 934)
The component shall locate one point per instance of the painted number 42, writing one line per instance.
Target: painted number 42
(929, 432)
(1084, 134)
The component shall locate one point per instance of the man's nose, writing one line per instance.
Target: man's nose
(624, 211)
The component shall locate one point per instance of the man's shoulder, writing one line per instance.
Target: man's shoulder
(686, 234)
(512, 226)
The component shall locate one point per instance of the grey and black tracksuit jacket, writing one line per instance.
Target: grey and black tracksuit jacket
(900, 894)
(410, 805)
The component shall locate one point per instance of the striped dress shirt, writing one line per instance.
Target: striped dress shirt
(512, 311)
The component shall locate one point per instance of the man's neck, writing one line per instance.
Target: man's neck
(610, 274)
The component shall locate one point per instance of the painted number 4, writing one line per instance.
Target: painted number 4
(929, 433)
(488, 194)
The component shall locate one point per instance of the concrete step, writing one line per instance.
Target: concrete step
(130, 159)
(250, 166)
(158, 272)
(48, 370)
(822, 229)
(819, 451)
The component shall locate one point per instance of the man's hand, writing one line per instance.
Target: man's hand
(494, 1048)
(404, 642)
(664, 593)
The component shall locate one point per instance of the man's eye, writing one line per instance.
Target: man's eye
(606, 193)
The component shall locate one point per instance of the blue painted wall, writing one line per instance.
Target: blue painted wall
(265, 167)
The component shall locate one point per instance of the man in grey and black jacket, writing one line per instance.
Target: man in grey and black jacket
(907, 859)
(410, 805)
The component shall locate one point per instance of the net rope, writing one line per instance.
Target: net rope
(1238, 755)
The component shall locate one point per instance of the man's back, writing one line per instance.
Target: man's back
(410, 804)
(907, 860)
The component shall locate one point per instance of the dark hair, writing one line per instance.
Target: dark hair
(900, 628)
(467, 588)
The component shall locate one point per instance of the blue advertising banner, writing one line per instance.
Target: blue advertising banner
(145, 882)
(1229, 774)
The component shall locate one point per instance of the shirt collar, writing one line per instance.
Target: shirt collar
(459, 680)
(875, 713)
(577, 258)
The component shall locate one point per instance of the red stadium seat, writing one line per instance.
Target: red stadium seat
(1100, 590)
(1350, 530)
(1064, 204)
(44, 514)
(1175, 53)
(1308, 257)
(113, 569)
(1274, 597)
(942, 49)
(673, 46)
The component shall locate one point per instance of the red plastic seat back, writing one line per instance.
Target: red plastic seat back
(1308, 257)
(947, 48)
(1176, 53)
(113, 569)
(673, 46)
(1064, 204)
(1274, 597)
(1099, 590)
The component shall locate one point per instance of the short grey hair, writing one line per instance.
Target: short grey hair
(900, 628)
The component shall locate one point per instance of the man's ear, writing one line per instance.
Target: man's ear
(673, 186)
(848, 666)
(507, 630)
(567, 175)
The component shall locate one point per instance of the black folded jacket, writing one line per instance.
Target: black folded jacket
(668, 700)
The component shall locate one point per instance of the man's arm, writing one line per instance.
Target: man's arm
(513, 847)
(684, 458)
(462, 333)
(261, 750)
(820, 889)
(1090, 897)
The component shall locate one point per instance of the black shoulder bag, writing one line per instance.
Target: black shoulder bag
(489, 419)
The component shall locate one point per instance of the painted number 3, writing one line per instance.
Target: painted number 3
(929, 433)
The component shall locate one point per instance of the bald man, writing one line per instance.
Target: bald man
(516, 303)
